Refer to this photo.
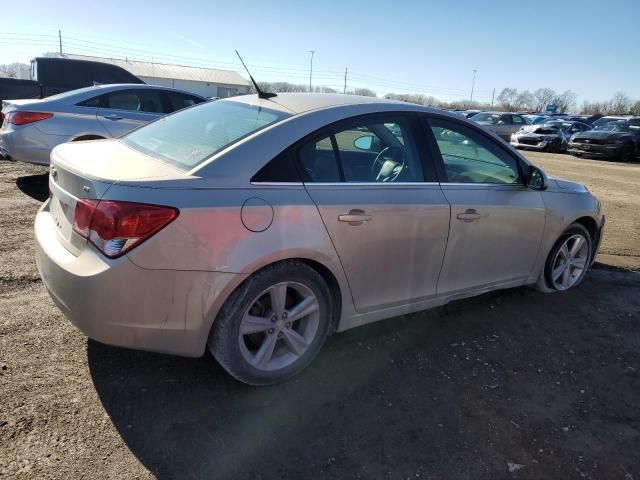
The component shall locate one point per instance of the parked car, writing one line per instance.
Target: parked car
(257, 227)
(33, 127)
(614, 139)
(552, 136)
(503, 124)
(469, 113)
(535, 119)
(50, 76)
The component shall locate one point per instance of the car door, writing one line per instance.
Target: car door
(496, 222)
(388, 225)
(124, 110)
(503, 127)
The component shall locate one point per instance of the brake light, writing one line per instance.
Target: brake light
(115, 227)
(23, 118)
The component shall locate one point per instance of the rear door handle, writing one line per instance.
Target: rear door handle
(113, 116)
(469, 215)
(354, 217)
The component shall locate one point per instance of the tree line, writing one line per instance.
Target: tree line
(509, 99)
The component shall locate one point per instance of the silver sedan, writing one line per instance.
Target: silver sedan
(255, 228)
(32, 128)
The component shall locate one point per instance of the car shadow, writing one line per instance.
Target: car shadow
(439, 390)
(36, 186)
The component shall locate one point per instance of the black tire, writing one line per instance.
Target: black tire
(224, 338)
(626, 154)
(553, 147)
(545, 283)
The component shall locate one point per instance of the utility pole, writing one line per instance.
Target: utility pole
(492, 97)
(60, 40)
(473, 83)
(311, 69)
(345, 80)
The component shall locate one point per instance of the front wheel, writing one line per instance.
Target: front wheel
(568, 260)
(626, 154)
(273, 325)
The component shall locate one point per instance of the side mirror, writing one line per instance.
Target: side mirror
(536, 179)
(364, 142)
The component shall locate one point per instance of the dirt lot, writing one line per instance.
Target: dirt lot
(512, 384)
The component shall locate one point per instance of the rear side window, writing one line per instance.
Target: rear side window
(92, 102)
(189, 137)
(178, 101)
(148, 101)
(518, 119)
(280, 169)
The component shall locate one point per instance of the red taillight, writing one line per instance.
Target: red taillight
(116, 227)
(22, 118)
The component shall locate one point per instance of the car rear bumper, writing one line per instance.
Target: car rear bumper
(28, 144)
(600, 151)
(118, 303)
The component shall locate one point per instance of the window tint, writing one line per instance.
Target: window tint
(280, 169)
(141, 101)
(92, 102)
(470, 157)
(369, 151)
(188, 137)
(319, 162)
(506, 119)
(178, 101)
(518, 119)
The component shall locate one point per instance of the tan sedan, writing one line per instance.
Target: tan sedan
(258, 227)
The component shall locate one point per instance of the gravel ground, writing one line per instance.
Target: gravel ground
(512, 384)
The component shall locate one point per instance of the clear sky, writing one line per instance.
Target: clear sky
(432, 47)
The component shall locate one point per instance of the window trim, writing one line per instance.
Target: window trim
(442, 173)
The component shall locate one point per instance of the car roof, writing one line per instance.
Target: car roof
(90, 92)
(304, 102)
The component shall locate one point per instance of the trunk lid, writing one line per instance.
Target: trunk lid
(87, 170)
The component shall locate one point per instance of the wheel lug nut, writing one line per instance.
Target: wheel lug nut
(279, 334)
(274, 319)
(288, 324)
(284, 315)
(270, 331)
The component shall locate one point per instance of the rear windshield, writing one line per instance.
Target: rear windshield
(188, 137)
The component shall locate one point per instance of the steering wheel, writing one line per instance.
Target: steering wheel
(389, 170)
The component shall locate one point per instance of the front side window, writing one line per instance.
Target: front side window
(189, 137)
(517, 119)
(379, 150)
(470, 157)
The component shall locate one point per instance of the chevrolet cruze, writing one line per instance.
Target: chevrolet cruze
(256, 227)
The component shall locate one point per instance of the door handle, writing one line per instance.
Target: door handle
(354, 217)
(113, 116)
(469, 215)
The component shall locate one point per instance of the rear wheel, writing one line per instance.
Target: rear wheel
(273, 325)
(568, 260)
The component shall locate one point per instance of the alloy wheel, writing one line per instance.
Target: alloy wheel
(279, 326)
(570, 262)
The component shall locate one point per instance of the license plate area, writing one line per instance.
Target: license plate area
(62, 215)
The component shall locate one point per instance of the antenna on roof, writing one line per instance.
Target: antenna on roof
(261, 94)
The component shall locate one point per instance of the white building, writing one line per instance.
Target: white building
(208, 82)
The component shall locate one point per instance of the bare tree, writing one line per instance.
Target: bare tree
(507, 99)
(363, 91)
(15, 70)
(524, 101)
(620, 104)
(564, 101)
(635, 108)
(541, 98)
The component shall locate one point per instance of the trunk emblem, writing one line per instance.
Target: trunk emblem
(85, 188)
(53, 172)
